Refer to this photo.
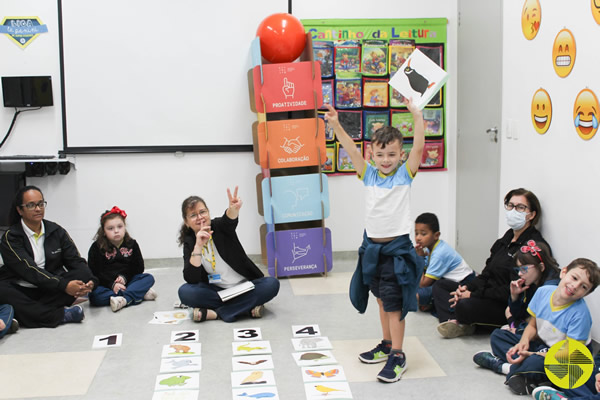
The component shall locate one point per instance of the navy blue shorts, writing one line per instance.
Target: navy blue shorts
(384, 285)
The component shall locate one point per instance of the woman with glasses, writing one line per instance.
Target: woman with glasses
(483, 300)
(43, 273)
(214, 261)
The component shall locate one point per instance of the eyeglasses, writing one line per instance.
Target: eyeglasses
(201, 213)
(519, 207)
(524, 268)
(32, 206)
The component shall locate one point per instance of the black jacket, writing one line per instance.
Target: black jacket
(60, 252)
(126, 261)
(228, 246)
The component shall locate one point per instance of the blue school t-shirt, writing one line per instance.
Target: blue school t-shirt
(554, 324)
(445, 262)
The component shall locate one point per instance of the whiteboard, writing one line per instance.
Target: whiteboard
(159, 72)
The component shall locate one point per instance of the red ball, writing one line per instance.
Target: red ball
(282, 38)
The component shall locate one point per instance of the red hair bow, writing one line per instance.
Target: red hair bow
(532, 248)
(116, 210)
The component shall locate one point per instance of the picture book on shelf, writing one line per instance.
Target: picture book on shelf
(404, 122)
(327, 89)
(396, 99)
(435, 51)
(433, 154)
(406, 148)
(347, 57)
(375, 92)
(374, 58)
(348, 93)
(399, 50)
(344, 163)
(433, 120)
(328, 166)
(323, 53)
(373, 120)
(351, 121)
(419, 78)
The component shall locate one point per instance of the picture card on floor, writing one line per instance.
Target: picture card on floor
(247, 348)
(244, 363)
(180, 364)
(109, 340)
(324, 373)
(177, 381)
(170, 317)
(307, 359)
(181, 350)
(246, 334)
(331, 390)
(185, 336)
(306, 330)
(177, 395)
(312, 343)
(252, 378)
(267, 392)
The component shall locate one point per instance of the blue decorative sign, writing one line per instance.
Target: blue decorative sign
(22, 30)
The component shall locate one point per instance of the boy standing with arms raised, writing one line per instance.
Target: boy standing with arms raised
(388, 264)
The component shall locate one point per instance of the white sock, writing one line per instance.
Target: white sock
(505, 368)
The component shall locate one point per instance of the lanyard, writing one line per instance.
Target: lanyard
(212, 252)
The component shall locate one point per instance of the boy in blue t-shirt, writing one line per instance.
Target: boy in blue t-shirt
(441, 260)
(557, 313)
(388, 264)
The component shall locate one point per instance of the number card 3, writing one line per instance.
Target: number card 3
(246, 334)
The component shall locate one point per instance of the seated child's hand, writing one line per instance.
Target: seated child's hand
(2, 325)
(520, 351)
(117, 287)
(598, 382)
(517, 287)
(419, 249)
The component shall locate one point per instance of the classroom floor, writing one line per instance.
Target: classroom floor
(61, 363)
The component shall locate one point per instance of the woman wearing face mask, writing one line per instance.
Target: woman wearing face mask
(483, 300)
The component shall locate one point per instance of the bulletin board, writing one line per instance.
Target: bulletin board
(362, 112)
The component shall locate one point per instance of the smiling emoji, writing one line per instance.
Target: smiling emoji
(585, 114)
(563, 53)
(541, 111)
(596, 10)
(531, 18)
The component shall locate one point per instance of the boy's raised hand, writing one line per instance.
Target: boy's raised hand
(331, 116)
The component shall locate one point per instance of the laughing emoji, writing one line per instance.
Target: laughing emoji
(585, 114)
(541, 111)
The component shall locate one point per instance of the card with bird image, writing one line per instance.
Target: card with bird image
(245, 363)
(267, 392)
(181, 364)
(252, 378)
(182, 350)
(176, 395)
(310, 358)
(251, 347)
(324, 373)
(247, 334)
(312, 343)
(177, 381)
(374, 58)
(329, 390)
(419, 78)
(435, 51)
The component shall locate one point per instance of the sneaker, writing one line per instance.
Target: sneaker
(485, 359)
(518, 384)
(378, 354)
(150, 295)
(394, 368)
(547, 393)
(117, 302)
(258, 311)
(73, 314)
(14, 326)
(451, 329)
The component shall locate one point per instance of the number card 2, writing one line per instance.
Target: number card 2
(185, 336)
(110, 340)
(246, 334)
(306, 330)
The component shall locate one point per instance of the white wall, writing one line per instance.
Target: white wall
(150, 187)
(559, 167)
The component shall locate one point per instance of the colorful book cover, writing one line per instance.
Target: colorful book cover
(419, 79)
(344, 163)
(404, 122)
(433, 119)
(375, 92)
(347, 57)
(373, 120)
(374, 58)
(323, 53)
(348, 93)
(351, 121)
(327, 89)
(433, 154)
(328, 166)
(396, 99)
(406, 148)
(400, 50)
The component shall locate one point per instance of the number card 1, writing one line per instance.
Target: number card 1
(110, 340)
(306, 330)
(247, 334)
(184, 336)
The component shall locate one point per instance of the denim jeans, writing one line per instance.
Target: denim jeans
(6, 315)
(134, 293)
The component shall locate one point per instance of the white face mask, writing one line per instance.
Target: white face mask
(515, 219)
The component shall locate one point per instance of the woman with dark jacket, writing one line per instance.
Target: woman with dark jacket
(214, 260)
(43, 273)
(483, 300)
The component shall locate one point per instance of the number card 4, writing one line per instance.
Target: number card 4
(246, 334)
(306, 330)
(104, 341)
